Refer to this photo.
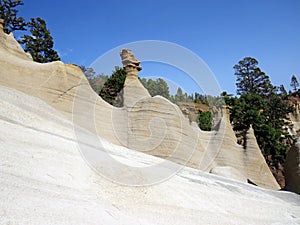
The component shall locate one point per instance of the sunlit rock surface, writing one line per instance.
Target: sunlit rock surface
(152, 125)
(45, 180)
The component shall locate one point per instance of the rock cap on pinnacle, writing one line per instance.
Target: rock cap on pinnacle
(128, 59)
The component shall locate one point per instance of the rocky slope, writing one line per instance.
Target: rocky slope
(45, 180)
(151, 125)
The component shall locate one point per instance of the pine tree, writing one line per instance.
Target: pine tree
(112, 89)
(250, 79)
(205, 121)
(265, 107)
(179, 97)
(9, 14)
(156, 87)
(294, 83)
(40, 43)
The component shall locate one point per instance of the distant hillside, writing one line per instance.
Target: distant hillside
(192, 110)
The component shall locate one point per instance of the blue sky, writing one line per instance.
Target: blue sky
(220, 32)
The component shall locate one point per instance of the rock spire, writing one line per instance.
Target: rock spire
(130, 63)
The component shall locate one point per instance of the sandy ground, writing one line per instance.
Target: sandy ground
(44, 179)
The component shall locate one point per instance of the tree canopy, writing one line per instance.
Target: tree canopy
(263, 106)
(8, 13)
(250, 78)
(40, 43)
(205, 121)
(294, 83)
(156, 87)
(113, 86)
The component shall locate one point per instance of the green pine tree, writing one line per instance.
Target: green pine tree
(205, 121)
(8, 13)
(179, 97)
(265, 107)
(250, 79)
(112, 89)
(294, 83)
(40, 43)
(156, 87)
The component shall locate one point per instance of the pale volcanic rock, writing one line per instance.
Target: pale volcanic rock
(128, 60)
(152, 125)
(45, 180)
(292, 169)
(229, 172)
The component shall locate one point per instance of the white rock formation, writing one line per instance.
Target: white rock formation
(151, 125)
(292, 168)
(45, 180)
(229, 172)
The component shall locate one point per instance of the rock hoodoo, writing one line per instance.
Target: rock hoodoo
(153, 125)
(133, 89)
(130, 62)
